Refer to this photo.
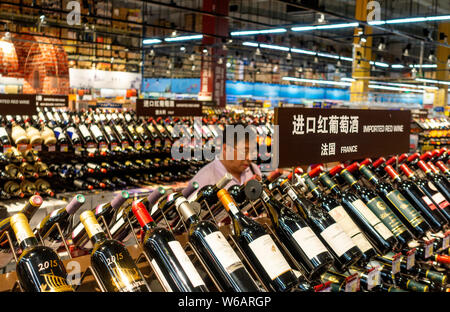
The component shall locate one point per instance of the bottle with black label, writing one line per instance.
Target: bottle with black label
(111, 260)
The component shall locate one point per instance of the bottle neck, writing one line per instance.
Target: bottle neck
(350, 180)
(313, 188)
(369, 175)
(330, 184)
(98, 238)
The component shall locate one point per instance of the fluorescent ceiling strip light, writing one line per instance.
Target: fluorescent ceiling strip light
(380, 64)
(151, 41)
(274, 47)
(403, 85)
(394, 88)
(329, 82)
(424, 66)
(183, 38)
(303, 51)
(250, 44)
(303, 28)
(438, 18)
(348, 79)
(406, 20)
(376, 22)
(257, 32)
(345, 58)
(336, 26)
(433, 81)
(328, 55)
(397, 66)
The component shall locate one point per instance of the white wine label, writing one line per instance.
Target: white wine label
(297, 273)
(350, 228)
(186, 263)
(161, 276)
(432, 186)
(108, 129)
(292, 194)
(99, 209)
(372, 219)
(77, 230)
(234, 210)
(309, 242)
(338, 240)
(223, 251)
(429, 202)
(440, 200)
(84, 131)
(270, 257)
(3, 132)
(55, 212)
(117, 226)
(383, 231)
(96, 131)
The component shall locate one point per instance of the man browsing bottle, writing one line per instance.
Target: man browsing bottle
(232, 161)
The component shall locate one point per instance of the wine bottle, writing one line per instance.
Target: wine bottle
(337, 212)
(30, 208)
(28, 188)
(167, 254)
(33, 134)
(4, 138)
(399, 204)
(47, 135)
(208, 193)
(297, 236)
(377, 205)
(13, 189)
(416, 197)
(43, 187)
(343, 249)
(62, 217)
(439, 182)
(42, 169)
(111, 260)
(14, 172)
(39, 269)
(401, 281)
(82, 185)
(18, 134)
(378, 234)
(215, 251)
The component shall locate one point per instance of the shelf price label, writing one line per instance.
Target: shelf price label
(51, 148)
(37, 148)
(325, 287)
(446, 240)
(125, 145)
(396, 260)
(6, 148)
(102, 146)
(352, 283)
(428, 248)
(114, 146)
(411, 259)
(78, 148)
(373, 277)
(64, 148)
(22, 147)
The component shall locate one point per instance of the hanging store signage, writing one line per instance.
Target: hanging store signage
(162, 108)
(252, 104)
(18, 104)
(309, 136)
(52, 100)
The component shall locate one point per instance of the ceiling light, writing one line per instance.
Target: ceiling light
(193, 67)
(433, 81)
(321, 18)
(274, 47)
(258, 32)
(397, 66)
(258, 51)
(182, 48)
(151, 41)
(220, 61)
(423, 66)
(348, 79)
(228, 64)
(250, 44)
(289, 56)
(184, 38)
(205, 51)
(406, 20)
(316, 59)
(329, 82)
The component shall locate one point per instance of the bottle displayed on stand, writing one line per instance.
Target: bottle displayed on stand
(298, 237)
(343, 249)
(111, 260)
(167, 255)
(378, 207)
(216, 252)
(259, 247)
(39, 269)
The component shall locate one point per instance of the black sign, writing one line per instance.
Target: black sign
(52, 100)
(252, 104)
(310, 136)
(157, 108)
(18, 104)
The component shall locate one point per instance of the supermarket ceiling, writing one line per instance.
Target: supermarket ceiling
(404, 43)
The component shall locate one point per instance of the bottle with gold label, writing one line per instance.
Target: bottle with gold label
(111, 260)
(33, 134)
(18, 134)
(39, 269)
(47, 135)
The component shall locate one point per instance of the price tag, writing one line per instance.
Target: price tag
(352, 283)
(114, 146)
(6, 148)
(103, 146)
(137, 144)
(428, 249)
(373, 278)
(91, 145)
(37, 148)
(325, 287)
(396, 263)
(51, 148)
(78, 148)
(22, 147)
(446, 240)
(125, 145)
(64, 148)
(411, 259)
(147, 144)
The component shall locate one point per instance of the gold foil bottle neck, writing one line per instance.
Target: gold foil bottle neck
(21, 227)
(90, 223)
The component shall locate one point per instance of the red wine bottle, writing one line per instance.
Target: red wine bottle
(399, 204)
(216, 252)
(377, 205)
(259, 247)
(167, 254)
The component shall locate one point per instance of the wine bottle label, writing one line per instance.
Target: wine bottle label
(223, 252)
(440, 200)
(270, 257)
(117, 225)
(96, 131)
(348, 177)
(405, 208)
(72, 133)
(432, 186)
(338, 240)
(108, 130)
(382, 211)
(372, 219)
(126, 279)
(186, 263)
(3, 132)
(99, 209)
(429, 202)
(161, 276)
(350, 228)
(84, 131)
(234, 210)
(309, 242)
(292, 194)
(77, 230)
